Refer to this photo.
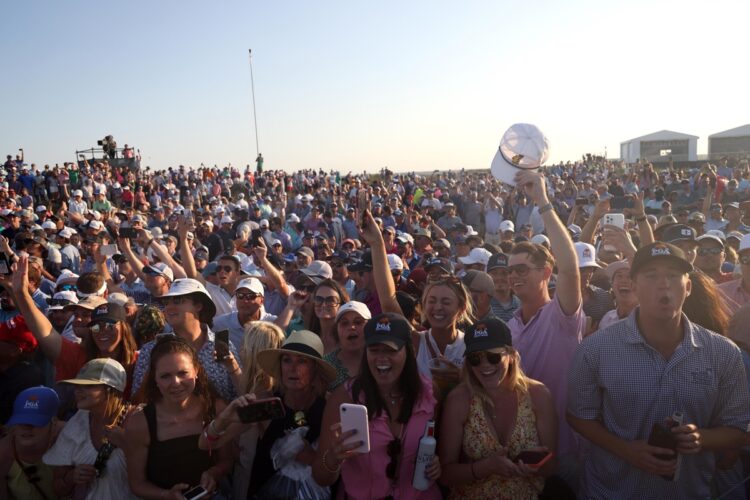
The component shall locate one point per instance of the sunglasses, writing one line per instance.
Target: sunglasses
(745, 259)
(337, 265)
(101, 328)
(226, 269)
(493, 358)
(59, 302)
(67, 288)
(710, 251)
(246, 295)
(306, 288)
(173, 300)
(394, 450)
(521, 269)
(328, 301)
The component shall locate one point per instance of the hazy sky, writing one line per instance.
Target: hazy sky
(415, 85)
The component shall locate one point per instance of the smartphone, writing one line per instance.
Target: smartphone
(355, 417)
(614, 220)
(4, 265)
(108, 250)
(221, 344)
(534, 458)
(255, 237)
(621, 202)
(195, 493)
(128, 232)
(582, 201)
(261, 410)
(662, 437)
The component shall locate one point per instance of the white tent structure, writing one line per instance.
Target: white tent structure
(660, 146)
(735, 141)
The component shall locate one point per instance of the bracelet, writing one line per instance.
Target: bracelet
(325, 464)
(640, 219)
(474, 474)
(212, 429)
(545, 208)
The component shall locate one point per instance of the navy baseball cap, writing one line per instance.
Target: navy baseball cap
(499, 260)
(388, 328)
(490, 333)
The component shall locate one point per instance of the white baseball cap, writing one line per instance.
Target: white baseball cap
(252, 284)
(319, 269)
(264, 223)
(357, 307)
(227, 220)
(95, 224)
(395, 263)
(540, 239)
(507, 225)
(48, 224)
(477, 256)
(159, 269)
(67, 295)
(66, 232)
(77, 193)
(586, 255)
(522, 147)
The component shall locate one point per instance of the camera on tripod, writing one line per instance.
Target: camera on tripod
(109, 146)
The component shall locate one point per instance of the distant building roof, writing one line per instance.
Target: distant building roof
(662, 135)
(743, 131)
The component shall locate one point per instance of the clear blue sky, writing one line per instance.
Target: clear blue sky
(416, 85)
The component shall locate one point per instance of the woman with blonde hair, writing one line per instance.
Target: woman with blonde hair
(259, 336)
(440, 348)
(501, 413)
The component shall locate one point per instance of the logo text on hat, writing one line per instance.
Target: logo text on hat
(481, 331)
(383, 325)
(660, 250)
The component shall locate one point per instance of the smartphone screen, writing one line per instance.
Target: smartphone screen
(195, 493)
(108, 250)
(221, 344)
(261, 410)
(255, 237)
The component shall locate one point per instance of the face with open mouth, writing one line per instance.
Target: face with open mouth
(661, 288)
(526, 277)
(622, 286)
(385, 363)
(350, 329)
(175, 376)
(106, 336)
(492, 368)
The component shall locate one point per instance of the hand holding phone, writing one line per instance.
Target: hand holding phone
(261, 410)
(354, 417)
(221, 345)
(195, 493)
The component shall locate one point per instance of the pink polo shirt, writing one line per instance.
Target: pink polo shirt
(364, 474)
(737, 295)
(546, 345)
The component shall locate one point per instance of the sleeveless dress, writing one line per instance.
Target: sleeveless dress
(176, 460)
(480, 442)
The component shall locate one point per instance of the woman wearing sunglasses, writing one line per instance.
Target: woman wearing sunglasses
(87, 458)
(349, 336)
(501, 413)
(326, 300)
(399, 404)
(109, 336)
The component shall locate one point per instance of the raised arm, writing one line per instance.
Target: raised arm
(49, 340)
(568, 277)
(380, 270)
(186, 255)
(588, 233)
(274, 277)
(135, 262)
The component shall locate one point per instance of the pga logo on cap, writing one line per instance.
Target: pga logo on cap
(660, 250)
(481, 331)
(384, 325)
(32, 403)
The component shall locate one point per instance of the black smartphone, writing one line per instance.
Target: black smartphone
(621, 202)
(662, 437)
(582, 201)
(255, 237)
(128, 232)
(260, 410)
(221, 344)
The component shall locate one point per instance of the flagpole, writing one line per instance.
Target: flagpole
(255, 115)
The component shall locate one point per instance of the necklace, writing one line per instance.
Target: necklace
(394, 397)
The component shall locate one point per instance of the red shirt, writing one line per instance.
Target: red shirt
(72, 358)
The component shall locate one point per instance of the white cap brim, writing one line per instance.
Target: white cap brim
(504, 171)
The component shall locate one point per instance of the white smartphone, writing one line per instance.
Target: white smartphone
(614, 220)
(108, 250)
(355, 417)
(195, 493)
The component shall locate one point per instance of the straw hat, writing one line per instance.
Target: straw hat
(302, 343)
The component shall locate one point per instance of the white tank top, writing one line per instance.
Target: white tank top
(453, 352)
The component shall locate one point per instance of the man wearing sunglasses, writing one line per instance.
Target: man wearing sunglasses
(628, 380)
(249, 296)
(338, 261)
(547, 331)
(710, 256)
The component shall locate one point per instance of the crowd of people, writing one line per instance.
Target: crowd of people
(579, 333)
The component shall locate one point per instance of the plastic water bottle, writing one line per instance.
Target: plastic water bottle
(425, 453)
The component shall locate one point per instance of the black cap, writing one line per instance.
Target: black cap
(499, 260)
(678, 232)
(490, 333)
(389, 329)
(340, 255)
(362, 264)
(443, 264)
(108, 313)
(662, 251)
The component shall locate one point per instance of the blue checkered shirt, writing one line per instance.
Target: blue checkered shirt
(621, 381)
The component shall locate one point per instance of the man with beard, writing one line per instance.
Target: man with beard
(636, 374)
(249, 296)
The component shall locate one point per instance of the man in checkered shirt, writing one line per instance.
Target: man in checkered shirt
(640, 371)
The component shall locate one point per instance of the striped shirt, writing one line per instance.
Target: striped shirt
(618, 379)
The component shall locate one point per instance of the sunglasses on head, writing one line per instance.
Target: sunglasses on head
(246, 295)
(493, 358)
